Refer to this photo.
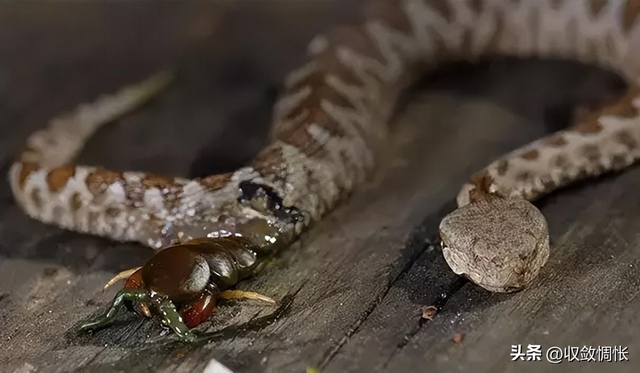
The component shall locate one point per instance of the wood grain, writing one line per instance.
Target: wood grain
(351, 292)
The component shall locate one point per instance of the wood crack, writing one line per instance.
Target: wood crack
(440, 303)
(332, 352)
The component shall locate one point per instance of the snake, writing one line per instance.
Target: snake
(332, 115)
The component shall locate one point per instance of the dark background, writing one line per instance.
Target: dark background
(351, 292)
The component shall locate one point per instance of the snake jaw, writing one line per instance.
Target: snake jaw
(498, 243)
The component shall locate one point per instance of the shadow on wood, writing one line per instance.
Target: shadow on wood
(351, 291)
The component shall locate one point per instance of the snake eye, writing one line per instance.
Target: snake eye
(498, 243)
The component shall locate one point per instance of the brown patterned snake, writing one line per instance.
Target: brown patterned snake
(334, 111)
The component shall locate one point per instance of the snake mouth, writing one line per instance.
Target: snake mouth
(493, 275)
(498, 243)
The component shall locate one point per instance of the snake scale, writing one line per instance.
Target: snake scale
(331, 116)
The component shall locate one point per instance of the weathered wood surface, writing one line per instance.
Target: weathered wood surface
(352, 290)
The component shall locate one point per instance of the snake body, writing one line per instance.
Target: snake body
(331, 117)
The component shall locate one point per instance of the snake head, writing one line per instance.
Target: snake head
(498, 243)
